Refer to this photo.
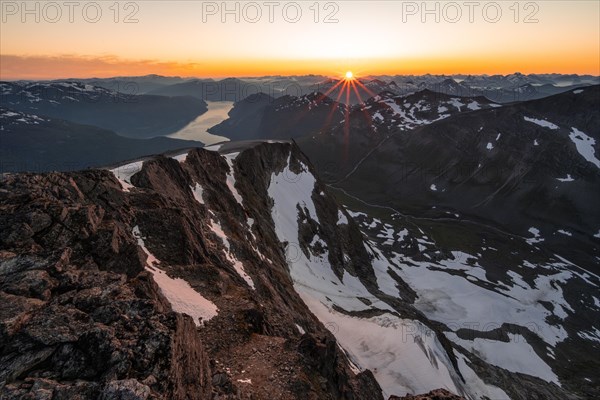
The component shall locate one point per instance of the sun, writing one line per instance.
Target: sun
(349, 75)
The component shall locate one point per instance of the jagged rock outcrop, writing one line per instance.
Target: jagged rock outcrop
(80, 318)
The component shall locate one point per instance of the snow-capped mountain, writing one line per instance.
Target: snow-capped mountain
(407, 112)
(337, 151)
(128, 114)
(292, 294)
(527, 167)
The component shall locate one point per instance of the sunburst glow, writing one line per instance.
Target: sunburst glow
(349, 75)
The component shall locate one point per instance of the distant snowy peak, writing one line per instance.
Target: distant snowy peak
(9, 118)
(421, 108)
(58, 92)
(307, 102)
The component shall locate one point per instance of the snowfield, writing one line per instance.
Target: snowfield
(198, 193)
(404, 355)
(458, 293)
(516, 355)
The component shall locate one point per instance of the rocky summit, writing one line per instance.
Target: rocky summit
(229, 272)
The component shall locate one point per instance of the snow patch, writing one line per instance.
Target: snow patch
(214, 147)
(231, 178)
(516, 355)
(180, 157)
(478, 387)
(585, 146)
(182, 297)
(342, 219)
(541, 122)
(197, 191)
(215, 226)
(405, 356)
(567, 179)
(125, 172)
(456, 103)
(536, 236)
(449, 298)
(473, 106)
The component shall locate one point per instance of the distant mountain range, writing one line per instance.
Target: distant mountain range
(274, 107)
(263, 117)
(128, 84)
(131, 115)
(499, 88)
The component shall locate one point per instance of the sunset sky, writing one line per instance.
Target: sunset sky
(375, 37)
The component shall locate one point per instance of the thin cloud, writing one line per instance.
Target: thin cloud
(74, 66)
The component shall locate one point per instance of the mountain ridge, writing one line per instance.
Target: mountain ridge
(249, 240)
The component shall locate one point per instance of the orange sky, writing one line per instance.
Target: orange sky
(381, 37)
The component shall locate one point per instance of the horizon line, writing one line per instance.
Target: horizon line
(241, 77)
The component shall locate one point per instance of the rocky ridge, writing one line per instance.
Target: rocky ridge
(84, 318)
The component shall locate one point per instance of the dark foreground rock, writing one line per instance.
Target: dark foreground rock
(80, 318)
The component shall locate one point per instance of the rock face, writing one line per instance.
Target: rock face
(83, 317)
(80, 316)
